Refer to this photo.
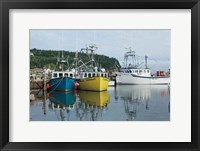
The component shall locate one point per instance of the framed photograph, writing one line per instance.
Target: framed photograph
(99, 75)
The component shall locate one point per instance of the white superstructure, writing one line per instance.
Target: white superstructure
(133, 74)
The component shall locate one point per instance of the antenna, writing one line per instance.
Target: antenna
(60, 59)
(146, 61)
(76, 40)
(93, 36)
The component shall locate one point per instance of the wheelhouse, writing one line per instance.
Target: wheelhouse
(62, 74)
(136, 71)
(93, 74)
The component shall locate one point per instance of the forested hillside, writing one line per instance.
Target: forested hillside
(48, 59)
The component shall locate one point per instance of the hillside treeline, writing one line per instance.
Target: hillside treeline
(48, 59)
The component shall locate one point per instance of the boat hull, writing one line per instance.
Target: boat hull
(133, 79)
(62, 84)
(94, 98)
(93, 84)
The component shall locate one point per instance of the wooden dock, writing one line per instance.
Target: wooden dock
(37, 84)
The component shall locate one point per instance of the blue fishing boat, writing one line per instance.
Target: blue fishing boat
(60, 82)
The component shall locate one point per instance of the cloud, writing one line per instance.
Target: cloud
(153, 43)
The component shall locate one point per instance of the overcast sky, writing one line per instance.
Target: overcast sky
(153, 43)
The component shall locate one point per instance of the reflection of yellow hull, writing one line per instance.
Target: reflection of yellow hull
(94, 98)
(94, 84)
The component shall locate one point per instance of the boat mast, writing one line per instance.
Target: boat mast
(76, 62)
(61, 60)
(129, 53)
(90, 51)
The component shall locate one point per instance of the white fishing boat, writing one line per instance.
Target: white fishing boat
(134, 74)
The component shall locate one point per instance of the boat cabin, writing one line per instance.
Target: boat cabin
(62, 74)
(82, 74)
(137, 71)
(93, 74)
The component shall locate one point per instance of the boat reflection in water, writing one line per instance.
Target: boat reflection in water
(135, 96)
(60, 101)
(91, 105)
(87, 105)
(120, 103)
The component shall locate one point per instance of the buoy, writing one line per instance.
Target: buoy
(48, 85)
(76, 84)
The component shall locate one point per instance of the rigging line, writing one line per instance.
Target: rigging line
(57, 85)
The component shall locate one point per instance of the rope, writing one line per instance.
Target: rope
(56, 82)
(57, 85)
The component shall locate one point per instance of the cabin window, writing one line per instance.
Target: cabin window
(85, 75)
(71, 75)
(147, 71)
(132, 71)
(93, 74)
(144, 71)
(140, 71)
(66, 74)
(136, 71)
(55, 75)
(106, 75)
(102, 74)
(60, 75)
(89, 74)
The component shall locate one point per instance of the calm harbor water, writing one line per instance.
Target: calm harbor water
(120, 103)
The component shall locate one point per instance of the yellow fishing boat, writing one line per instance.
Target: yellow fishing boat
(93, 83)
(90, 77)
(94, 98)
